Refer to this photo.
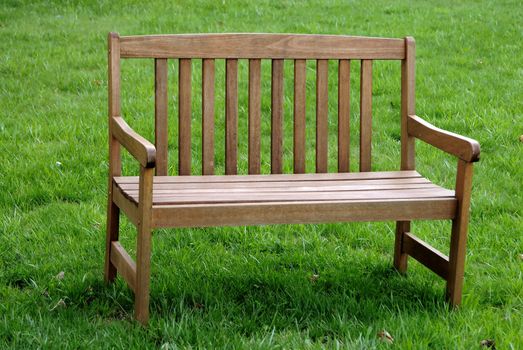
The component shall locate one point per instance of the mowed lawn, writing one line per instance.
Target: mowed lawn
(285, 286)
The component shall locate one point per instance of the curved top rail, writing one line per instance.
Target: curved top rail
(265, 46)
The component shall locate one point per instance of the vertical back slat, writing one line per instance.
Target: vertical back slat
(322, 124)
(300, 92)
(408, 80)
(343, 115)
(184, 117)
(254, 115)
(277, 116)
(365, 115)
(207, 116)
(231, 117)
(160, 115)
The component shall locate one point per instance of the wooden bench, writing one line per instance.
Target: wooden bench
(154, 199)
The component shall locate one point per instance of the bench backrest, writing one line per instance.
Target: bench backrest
(254, 48)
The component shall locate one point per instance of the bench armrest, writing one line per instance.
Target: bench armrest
(457, 145)
(141, 149)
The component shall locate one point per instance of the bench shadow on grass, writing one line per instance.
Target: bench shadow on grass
(377, 292)
(285, 300)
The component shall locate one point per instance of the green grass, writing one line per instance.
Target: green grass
(250, 287)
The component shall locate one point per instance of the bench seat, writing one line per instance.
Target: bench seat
(197, 201)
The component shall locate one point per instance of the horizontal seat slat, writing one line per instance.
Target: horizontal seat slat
(291, 198)
(277, 177)
(227, 197)
(280, 189)
(277, 184)
(205, 215)
(263, 46)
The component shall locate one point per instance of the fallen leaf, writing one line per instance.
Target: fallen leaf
(314, 277)
(198, 306)
(520, 256)
(520, 138)
(60, 275)
(488, 343)
(60, 303)
(385, 336)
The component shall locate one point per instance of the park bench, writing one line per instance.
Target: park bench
(154, 199)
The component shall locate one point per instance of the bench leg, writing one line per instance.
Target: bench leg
(143, 248)
(458, 238)
(113, 224)
(458, 241)
(143, 270)
(400, 257)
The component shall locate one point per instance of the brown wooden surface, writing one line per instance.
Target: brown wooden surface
(457, 145)
(141, 149)
(277, 46)
(425, 254)
(160, 116)
(280, 177)
(458, 238)
(129, 208)
(277, 117)
(231, 117)
(254, 115)
(408, 100)
(400, 256)
(208, 117)
(169, 190)
(115, 167)
(407, 142)
(184, 117)
(203, 215)
(300, 95)
(322, 113)
(215, 183)
(343, 115)
(124, 264)
(143, 246)
(365, 115)
(208, 200)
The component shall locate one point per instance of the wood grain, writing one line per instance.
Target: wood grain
(124, 264)
(268, 46)
(322, 113)
(143, 246)
(126, 204)
(287, 189)
(366, 115)
(279, 177)
(300, 95)
(141, 149)
(408, 81)
(231, 117)
(184, 117)
(115, 165)
(343, 115)
(277, 117)
(301, 212)
(400, 256)
(462, 147)
(208, 117)
(254, 115)
(160, 116)
(426, 254)
(458, 237)
(408, 101)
